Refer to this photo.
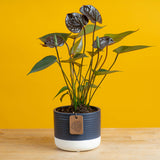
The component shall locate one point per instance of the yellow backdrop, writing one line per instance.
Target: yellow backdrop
(127, 99)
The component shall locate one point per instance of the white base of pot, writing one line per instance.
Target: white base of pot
(82, 145)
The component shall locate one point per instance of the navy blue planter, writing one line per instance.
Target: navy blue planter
(91, 125)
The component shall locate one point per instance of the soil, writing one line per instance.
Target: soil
(80, 109)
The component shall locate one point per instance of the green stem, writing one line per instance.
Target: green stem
(90, 80)
(105, 58)
(80, 70)
(92, 51)
(64, 75)
(91, 62)
(103, 78)
(72, 72)
(92, 83)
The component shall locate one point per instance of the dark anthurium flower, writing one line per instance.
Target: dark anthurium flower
(103, 42)
(50, 42)
(75, 22)
(91, 13)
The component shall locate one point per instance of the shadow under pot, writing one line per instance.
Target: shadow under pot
(77, 132)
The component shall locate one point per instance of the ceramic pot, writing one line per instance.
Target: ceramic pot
(90, 138)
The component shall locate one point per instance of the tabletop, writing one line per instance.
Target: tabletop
(116, 144)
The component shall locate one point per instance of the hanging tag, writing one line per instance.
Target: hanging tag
(76, 124)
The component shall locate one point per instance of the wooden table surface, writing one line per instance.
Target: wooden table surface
(117, 144)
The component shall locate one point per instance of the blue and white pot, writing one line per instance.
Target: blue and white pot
(90, 138)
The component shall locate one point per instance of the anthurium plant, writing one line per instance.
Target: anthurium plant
(80, 82)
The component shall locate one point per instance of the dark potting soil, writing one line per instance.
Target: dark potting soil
(80, 109)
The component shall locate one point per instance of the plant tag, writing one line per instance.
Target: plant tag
(76, 124)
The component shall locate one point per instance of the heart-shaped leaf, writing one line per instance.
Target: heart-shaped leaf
(63, 96)
(102, 42)
(104, 71)
(44, 63)
(62, 35)
(89, 29)
(77, 47)
(75, 22)
(123, 49)
(118, 37)
(49, 39)
(62, 90)
(91, 13)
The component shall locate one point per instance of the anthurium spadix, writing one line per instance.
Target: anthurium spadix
(103, 42)
(83, 71)
(86, 68)
(49, 40)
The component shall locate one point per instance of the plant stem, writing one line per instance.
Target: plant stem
(90, 80)
(92, 50)
(91, 62)
(63, 73)
(94, 79)
(72, 73)
(80, 70)
(94, 76)
(104, 58)
(103, 78)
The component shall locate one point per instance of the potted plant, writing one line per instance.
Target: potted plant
(77, 126)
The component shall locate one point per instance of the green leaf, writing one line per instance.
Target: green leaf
(118, 37)
(104, 71)
(79, 55)
(77, 47)
(93, 53)
(75, 57)
(63, 35)
(74, 62)
(63, 96)
(77, 64)
(62, 90)
(123, 49)
(44, 63)
(89, 29)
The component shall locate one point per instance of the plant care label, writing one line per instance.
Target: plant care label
(76, 124)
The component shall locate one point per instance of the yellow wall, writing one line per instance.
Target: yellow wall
(127, 99)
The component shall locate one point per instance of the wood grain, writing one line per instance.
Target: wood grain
(117, 144)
